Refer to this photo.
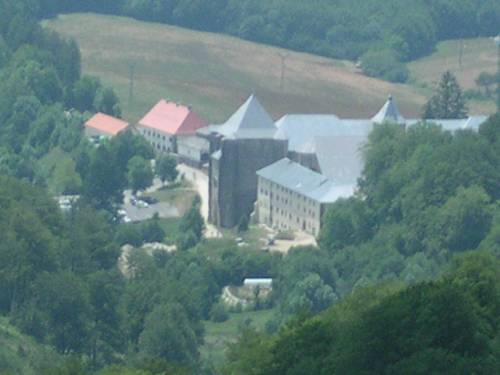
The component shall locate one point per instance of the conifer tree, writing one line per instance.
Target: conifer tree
(448, 102)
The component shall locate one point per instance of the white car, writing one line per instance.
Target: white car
(141, 204)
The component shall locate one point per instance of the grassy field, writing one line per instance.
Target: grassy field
(219, 335)
(465, 58)
(216, 73)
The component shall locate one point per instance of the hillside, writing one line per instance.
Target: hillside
(216, 73)
(466, 59)
(20, 354)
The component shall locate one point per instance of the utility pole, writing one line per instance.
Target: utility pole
(131, 67)
(497, 43)
(283, 57)
(461, 53)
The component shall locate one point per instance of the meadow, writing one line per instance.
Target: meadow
(216, 73)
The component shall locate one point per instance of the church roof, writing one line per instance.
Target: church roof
(251, 120)
(389, 112)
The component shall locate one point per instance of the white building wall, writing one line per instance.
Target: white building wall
(192, 149)
(93, 132)
(284, 209)
(161, 142)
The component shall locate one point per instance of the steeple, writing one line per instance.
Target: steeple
(389, 112)
(251, 120)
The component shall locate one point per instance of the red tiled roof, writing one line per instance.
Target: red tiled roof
(172, 118)
(107, 124)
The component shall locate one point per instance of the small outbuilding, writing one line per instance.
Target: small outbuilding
(103, 125)
(263, 284)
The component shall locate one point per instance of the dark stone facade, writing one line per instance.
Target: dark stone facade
(233, 178)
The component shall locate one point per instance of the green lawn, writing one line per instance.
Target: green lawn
(216, 73)
(181, 196)
(219, 335)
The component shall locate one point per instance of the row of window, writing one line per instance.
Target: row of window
(284, 225)
(153, 134)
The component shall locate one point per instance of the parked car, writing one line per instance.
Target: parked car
(141, 204)
(149, 200)
(133, 201)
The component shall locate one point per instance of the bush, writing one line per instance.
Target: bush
(186, 240)
(219, 313)
(384, 64)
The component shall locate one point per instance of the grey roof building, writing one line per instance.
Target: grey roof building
(242, 145)
(294, 168)
(333, 145)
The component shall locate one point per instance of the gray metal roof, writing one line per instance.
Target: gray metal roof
(337, 142)
(304, 181)
(389, 112)
(340, 158)
(472, 123)
(301, 130)
(250, 121)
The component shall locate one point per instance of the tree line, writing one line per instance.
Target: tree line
(383, 34)
(447, 326)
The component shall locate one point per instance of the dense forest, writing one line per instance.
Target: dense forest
(448, 326)
(383, 34)
(409, 265)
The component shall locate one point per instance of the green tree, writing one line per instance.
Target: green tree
(106, 101)
(103, 185)
(309, 295)
(448, 102)
(168, 334)
(465, 219)
(59, 312)
(166, 168)
(83, 94)
(192, 221)
(346, 223)
(139, 173)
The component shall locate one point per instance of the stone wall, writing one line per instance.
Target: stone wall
(233, 179)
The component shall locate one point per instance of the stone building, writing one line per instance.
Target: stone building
(294, 168)
(293, 197)
(241, 146)
(171, 127)
(324, 163)
(103, 125)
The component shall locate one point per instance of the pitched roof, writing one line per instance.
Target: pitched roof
(304, 181)
(389, 112)
(251, 120)
(340, 157)
(301, 130)
(172, 118)
(107, 124)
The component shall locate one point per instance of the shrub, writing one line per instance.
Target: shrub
(384, 63)
(219, 313)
